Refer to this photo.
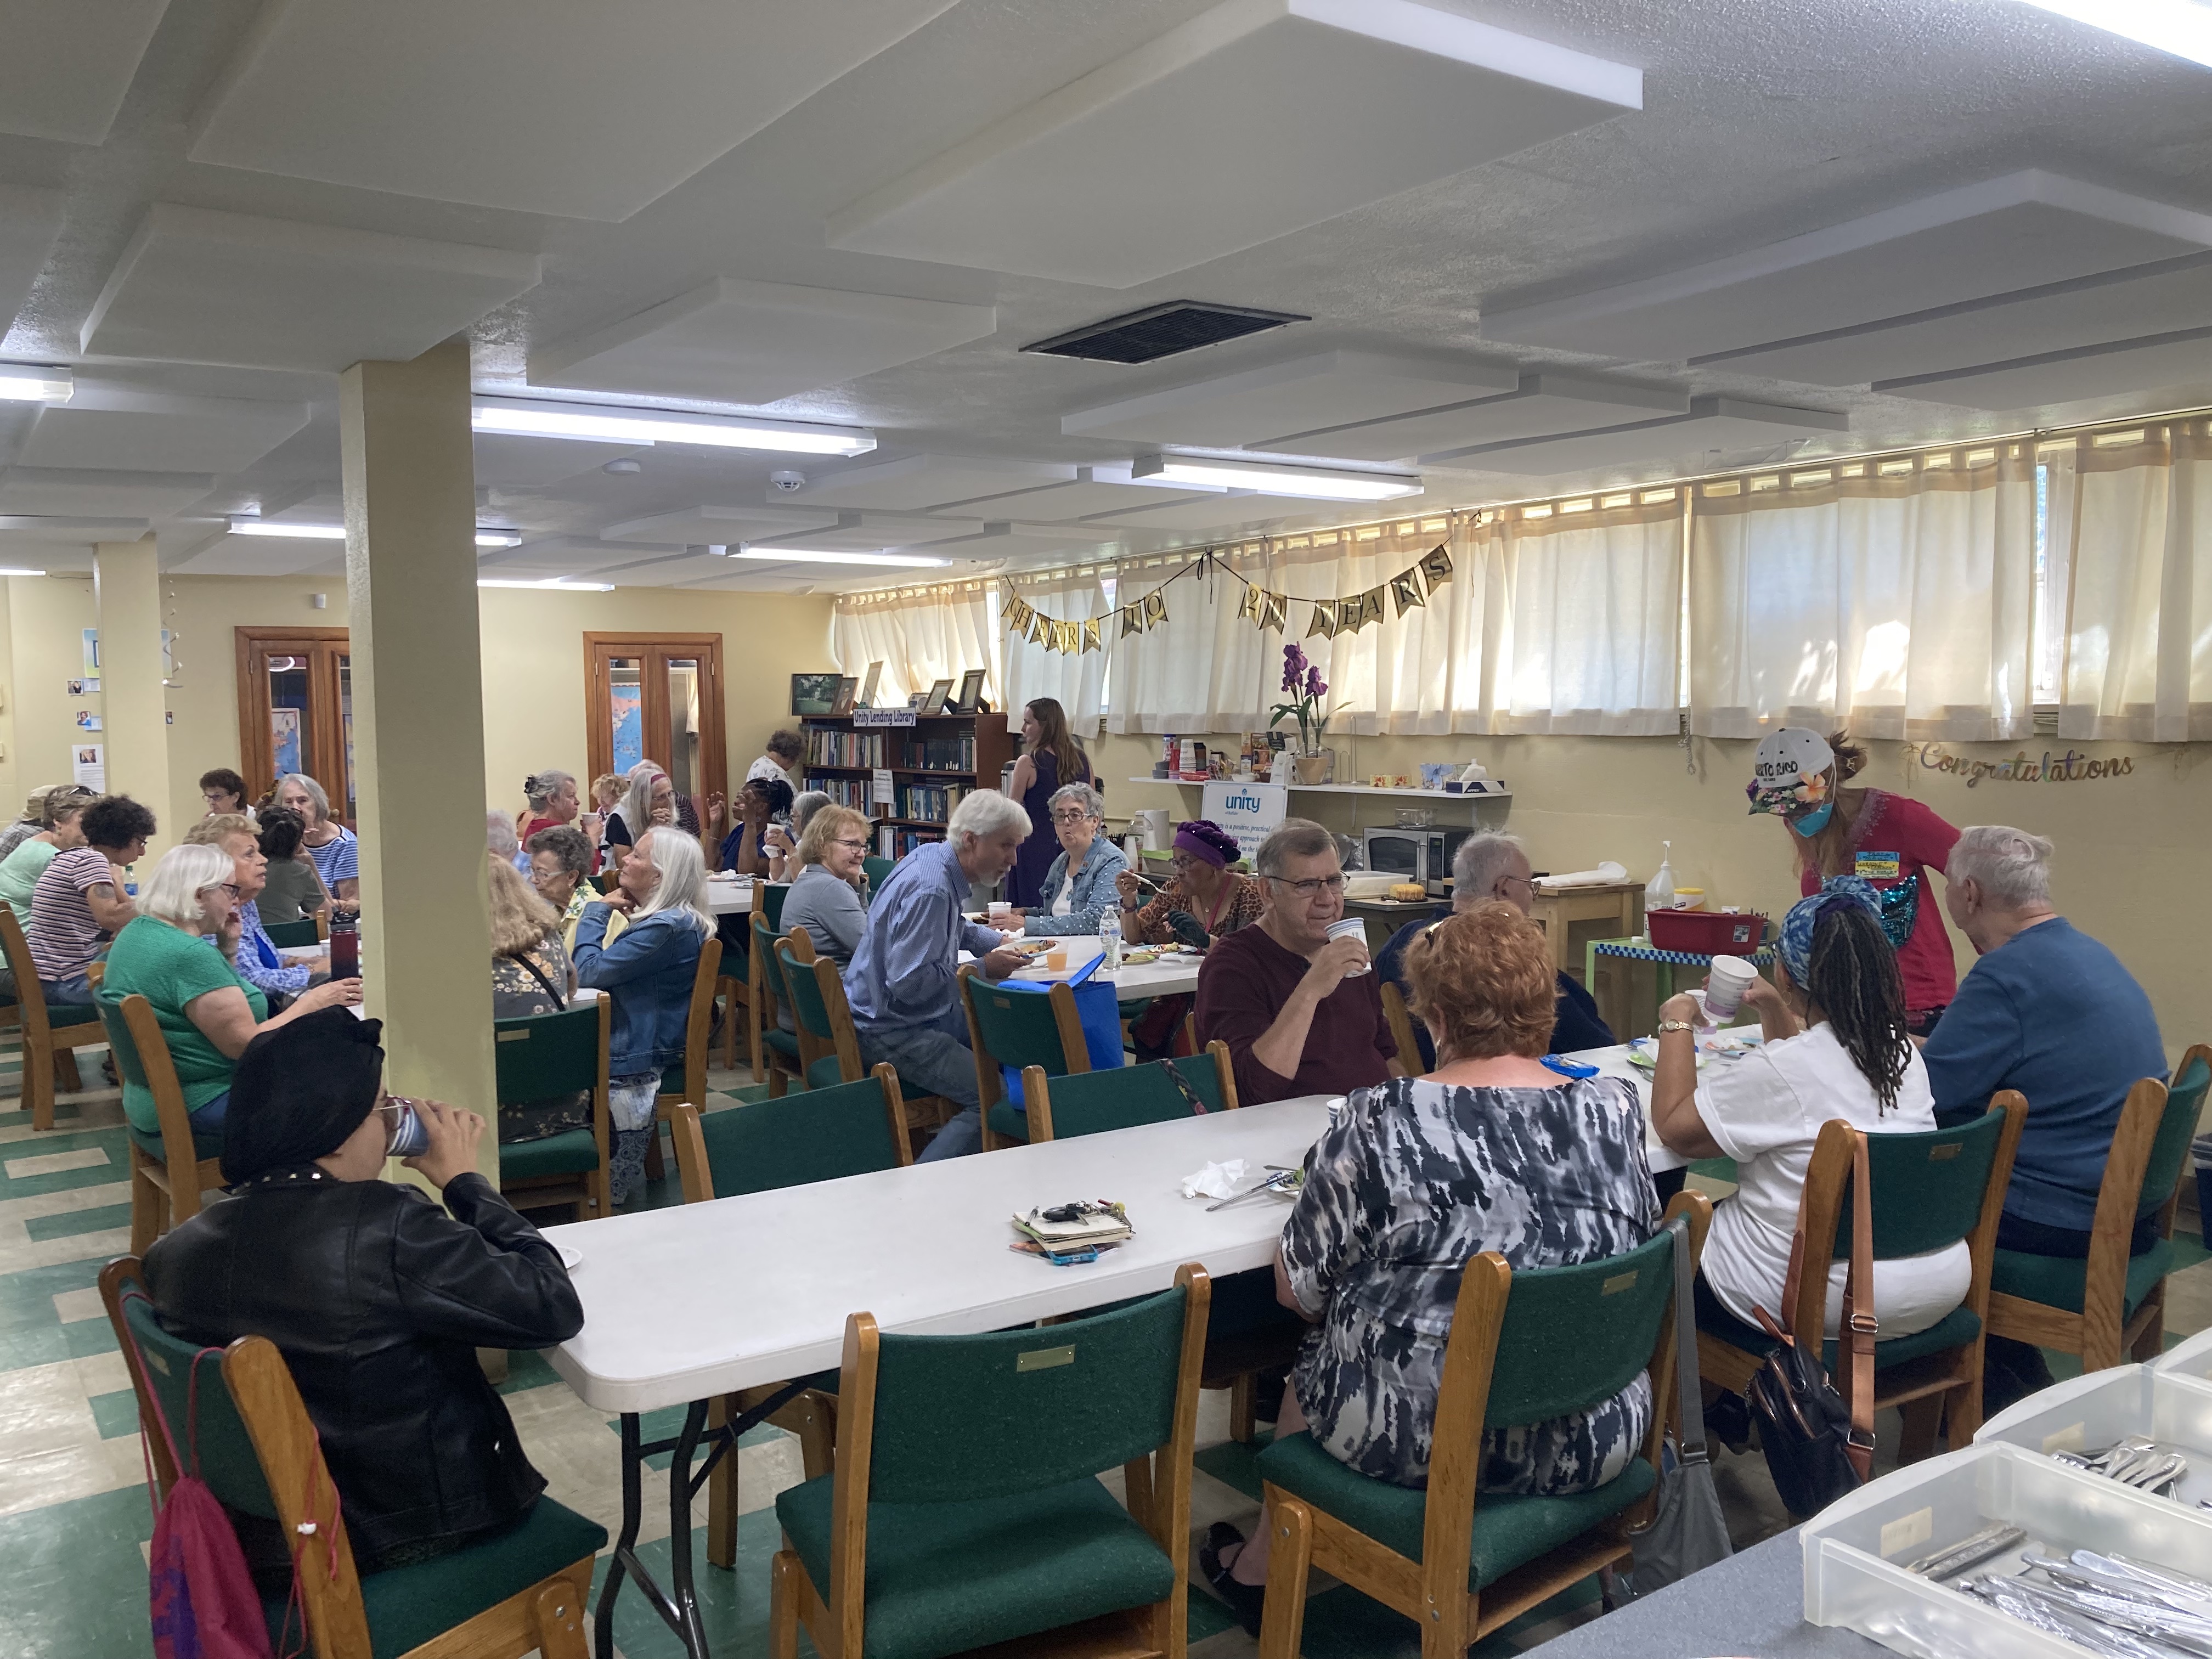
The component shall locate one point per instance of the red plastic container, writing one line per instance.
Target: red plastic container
(1705, 933)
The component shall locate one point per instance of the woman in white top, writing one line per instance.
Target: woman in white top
(784, 748)
(1835, 1047)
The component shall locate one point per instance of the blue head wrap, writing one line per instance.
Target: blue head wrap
(1795, 945)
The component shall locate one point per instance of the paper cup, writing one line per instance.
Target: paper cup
(1726, 980)
(1001, 911)
(1353, 926)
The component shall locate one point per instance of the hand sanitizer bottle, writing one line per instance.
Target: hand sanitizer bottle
(1659, 891)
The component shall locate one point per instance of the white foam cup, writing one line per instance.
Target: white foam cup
(1355, 927)
(1726, 980)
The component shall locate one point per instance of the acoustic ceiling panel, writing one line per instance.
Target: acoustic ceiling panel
(65, 65)
(1255, 118)
(1231, 508)
(1024, 541)
(754, 343)
(921, 484)
(1537, 405)
(1329, 388)
(872, 532)
(668, 570)
(1724, 424)
(587, 112)
(2163, 360)
(2171, 294)
(510, 463)
(263, 555)
(105, 494)
(2002, 233)
(29, 222)
(125, 430)
(200, 287)
(1097, 492)
(694, 525)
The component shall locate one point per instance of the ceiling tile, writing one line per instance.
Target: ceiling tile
(2171, 294)
(874, 532)
(2156, 363)
(107, 494)
(1725, 424)
(920, 483)
(587, 112)
(694, 525)
(29, 222)
(1097, 492)
(65, 65)
(755, 342)
(264, 555)
(1325, 389)
(504, 462)
(1539, 403)
(126, 430)
(664, 571)
(200, 287)
(1218, 512)
(2002, 234)
(1026, 541)
(1255, 118)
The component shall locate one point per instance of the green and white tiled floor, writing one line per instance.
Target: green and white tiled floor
(74, 1517)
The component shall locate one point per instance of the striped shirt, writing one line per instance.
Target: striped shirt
(339, 860)
(64, 938)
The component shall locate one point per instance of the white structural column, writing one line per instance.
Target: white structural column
(126, 586)
(418, 725)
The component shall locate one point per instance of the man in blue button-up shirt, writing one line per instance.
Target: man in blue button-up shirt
(903, 982)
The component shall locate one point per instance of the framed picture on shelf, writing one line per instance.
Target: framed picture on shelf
(971, 691)
(849, 687)
(868, 685)
(814, 694)
(934, 702)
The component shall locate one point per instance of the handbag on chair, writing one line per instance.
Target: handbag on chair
(1688, 1532)
(1819, 1444)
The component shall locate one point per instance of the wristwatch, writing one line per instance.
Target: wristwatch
(1666, 1025)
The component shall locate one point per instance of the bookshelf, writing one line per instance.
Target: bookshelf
(933, 764)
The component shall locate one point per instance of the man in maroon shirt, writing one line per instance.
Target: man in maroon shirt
(1302, 1014)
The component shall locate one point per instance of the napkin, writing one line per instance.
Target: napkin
(1215, 1179)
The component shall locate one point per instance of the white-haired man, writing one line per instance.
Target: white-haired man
(903, 981)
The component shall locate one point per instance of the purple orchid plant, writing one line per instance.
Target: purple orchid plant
(1301, 680)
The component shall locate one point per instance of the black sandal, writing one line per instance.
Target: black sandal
(1247, 1601)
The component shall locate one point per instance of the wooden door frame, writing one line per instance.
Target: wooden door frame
(325, 739)
(598, 741)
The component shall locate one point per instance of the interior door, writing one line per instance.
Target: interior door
(296, 710)
(657, 697)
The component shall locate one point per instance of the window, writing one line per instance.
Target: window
(657, 697)
(296, 710)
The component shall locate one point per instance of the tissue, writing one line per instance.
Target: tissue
(1215, 1179)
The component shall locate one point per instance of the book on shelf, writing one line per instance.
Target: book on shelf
(895, 842)
(939, 754)
(833, 745)
(930, 803)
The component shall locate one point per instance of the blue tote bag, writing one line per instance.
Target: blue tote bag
(1098, 1007)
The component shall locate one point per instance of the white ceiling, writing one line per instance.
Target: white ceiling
(1539, 246)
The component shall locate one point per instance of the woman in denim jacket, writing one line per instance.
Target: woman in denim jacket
(1074, 904)
(648, 971)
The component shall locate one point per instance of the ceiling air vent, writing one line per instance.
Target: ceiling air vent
(1164, 330)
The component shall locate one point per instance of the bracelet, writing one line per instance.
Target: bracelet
(1666, 1025)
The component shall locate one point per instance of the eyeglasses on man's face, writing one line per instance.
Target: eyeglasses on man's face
(1314, 887)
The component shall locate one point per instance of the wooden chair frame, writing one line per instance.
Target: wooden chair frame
(593, 1190)
(2097, 1333)
(761, 1013)
(46, 1046)
(696, 1028)
(1402, 1031)
(158, 1201)
(1157, 1487)
(922, 1111)
(1928, 1392)
(548, 1616)
(748, 990)
(1432, 1591)
(1074, 1047)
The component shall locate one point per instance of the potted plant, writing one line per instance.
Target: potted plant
(1303, 680)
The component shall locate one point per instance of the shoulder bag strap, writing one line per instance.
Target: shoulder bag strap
(1691, 1445)
(559, 1001)
(1859, 1326)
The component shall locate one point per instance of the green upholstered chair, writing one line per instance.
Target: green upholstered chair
(965, 1510)
(539, 1057)
(50, 1030)
(829, 1045)
(252, 1441)
(768, 900)
(1524, 1347)
(877, 871)
(779, 1048)
(823, 1134)
(1930, 1190)
(1095, 1103)
(293, 935)
(2111, 1307)
(159, 1200)
(1022, 1030)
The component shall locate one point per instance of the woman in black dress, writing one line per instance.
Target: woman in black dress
(1051, 758)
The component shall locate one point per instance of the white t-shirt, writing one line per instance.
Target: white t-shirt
(1765, 1111)
(768, 766)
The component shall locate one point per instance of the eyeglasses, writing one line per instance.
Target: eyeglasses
(1315, 887)
(861, 845)
(1072, 816)
(230, 887)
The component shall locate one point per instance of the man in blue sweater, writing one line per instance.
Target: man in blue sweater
(2049, 1011)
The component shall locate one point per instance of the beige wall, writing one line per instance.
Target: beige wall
(2133, 866)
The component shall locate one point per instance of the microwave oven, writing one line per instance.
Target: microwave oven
(1421, 855)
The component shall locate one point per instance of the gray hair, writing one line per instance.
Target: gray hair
(1293, 838)
(182, 874)
(314, 792)
(636, 808)
(2011, 867)
(983, 813)
(499, 833)
(804, 807)
(1479, 863)
(566, 843)
(1093, 803)
(539, 789)
(683, 869)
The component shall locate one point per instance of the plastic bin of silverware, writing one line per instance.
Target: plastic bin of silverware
(2148, 1429)
(1861, 1550)
(2192, 1356)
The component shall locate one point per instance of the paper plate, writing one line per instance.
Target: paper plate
(571, 1257)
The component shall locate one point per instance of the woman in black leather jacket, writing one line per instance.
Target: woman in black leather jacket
(376, 1298)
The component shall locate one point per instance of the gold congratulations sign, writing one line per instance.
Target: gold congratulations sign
(2072, 767)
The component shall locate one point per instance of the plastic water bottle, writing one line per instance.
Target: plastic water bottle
(1110, 942)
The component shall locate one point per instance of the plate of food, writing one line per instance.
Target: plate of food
(1141, 955)
(1644, 1051)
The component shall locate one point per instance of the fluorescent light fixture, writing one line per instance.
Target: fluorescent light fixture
(242, 525)
(26, 383)
(551, 585)
(2183, 28)
(814, 556)
(10, 570)
(1320, 483)
(600, 423)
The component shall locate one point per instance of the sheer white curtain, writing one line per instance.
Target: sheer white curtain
(1077, 679)
(2138, 634)
(920, 635)
(1893, 595)
(1592, 643)
(1203, 669)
